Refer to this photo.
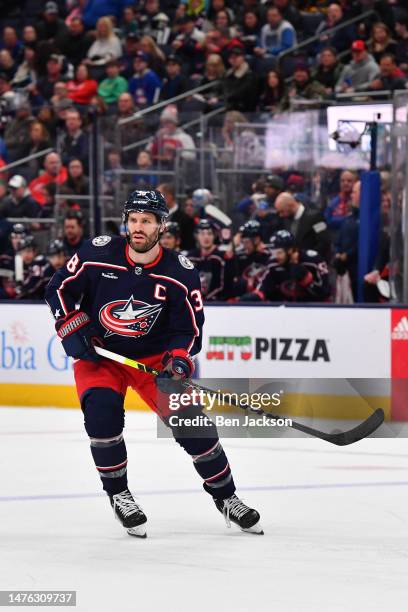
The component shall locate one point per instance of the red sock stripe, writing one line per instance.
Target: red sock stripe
(219, 474)
(111, 467)
(207, 452)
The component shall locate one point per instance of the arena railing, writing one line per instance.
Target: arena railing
(24, 160)
(318, 37)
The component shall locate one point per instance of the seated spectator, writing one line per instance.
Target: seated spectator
(308, 227)
(39, 140)
(277, 35)
(60, 95)
(156, 56)
(112, 176)
(131, 47)
(7, 64)
(19, 203)
(346, 246)
(54, 172)
(328, 69)
(128, 133)
(29, 35)
(73, 237)
(360, 72)
(303, 86)
(174, 82)
(147, 179)
(214, 71)
(50, 26)
(8, 98)
(289, 12)
(274, 97)
(114, 85)
(77, 183)
(390, 77)
(216, 42)
(27, 71)
(215, 7)
(240, 83)
(186, 223)
(74, 141)
(75, 41)
(145, 84)
(45, 84)
(401, 52)
(250, 31)
(186, 43)
(161, 30)
(222, 21)
(170, 138)
(106, 47)
(17, 131)
(129, 24)
(339, 208)
(342, 38)
(381, 41)
(82, 89)
(11, 43)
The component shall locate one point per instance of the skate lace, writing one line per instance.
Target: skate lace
(233, 506)
(126, 504)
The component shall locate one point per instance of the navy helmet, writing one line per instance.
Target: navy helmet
(251, 229)
(18, 229)
(173, 228)
(55, 247)
(145, 202)
(282, 240)
(27, 243)
(204, 224)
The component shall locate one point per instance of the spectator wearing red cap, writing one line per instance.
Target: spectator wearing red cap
(358, 74)
(145, 84)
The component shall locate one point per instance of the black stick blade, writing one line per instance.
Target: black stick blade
(363, 430)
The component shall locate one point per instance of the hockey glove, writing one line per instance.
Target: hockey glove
(78, 335)
(177, 366)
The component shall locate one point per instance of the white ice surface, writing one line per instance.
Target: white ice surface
(335, 520)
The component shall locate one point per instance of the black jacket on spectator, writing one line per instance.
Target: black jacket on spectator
(173, 87)
(26, 207)
(74, 47)
(241, 89)
(75, 147)
(328, 78)
(187, 225)
(45, 30)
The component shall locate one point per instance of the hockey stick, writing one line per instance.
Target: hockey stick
(364, 429)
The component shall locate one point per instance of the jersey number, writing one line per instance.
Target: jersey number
(198, 300)
(73, 263)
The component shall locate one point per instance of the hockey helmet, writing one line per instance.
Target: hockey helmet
(204, 224)
(251, 229)
(145, 202)
(282, 240)
(172, 228)
(202, 197)
(55, 247)
(18, 229)
(28, 243)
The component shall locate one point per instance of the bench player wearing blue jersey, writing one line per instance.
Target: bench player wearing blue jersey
(142, 301)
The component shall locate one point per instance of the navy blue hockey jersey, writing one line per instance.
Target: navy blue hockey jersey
(139, 310)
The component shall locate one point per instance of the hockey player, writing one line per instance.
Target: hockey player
(142, 301)
(170, 238)
(9, 262)
(35, 277)
(56, 255)
(251, 258)
(209, 261)
(293, 275)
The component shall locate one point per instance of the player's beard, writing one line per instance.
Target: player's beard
(147, 245)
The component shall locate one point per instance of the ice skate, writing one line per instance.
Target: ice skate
(129, 513)
(235, 511)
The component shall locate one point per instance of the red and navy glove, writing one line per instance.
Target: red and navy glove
(78, 335)
(177, 366)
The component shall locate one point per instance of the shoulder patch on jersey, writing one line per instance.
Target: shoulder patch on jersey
(101, 240)
(185, 262)
(311, 253)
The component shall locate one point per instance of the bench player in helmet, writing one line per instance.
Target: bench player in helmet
(170, 238)
(8, 262)
(293, 275)
(209, 261)
(251, 258)
(143, 301)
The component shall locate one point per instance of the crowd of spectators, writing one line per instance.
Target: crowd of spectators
(62, 63)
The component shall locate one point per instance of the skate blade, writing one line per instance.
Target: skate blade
(255, 529)
(137, 532)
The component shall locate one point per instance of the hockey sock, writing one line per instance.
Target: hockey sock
(110, 459)
(213, 467)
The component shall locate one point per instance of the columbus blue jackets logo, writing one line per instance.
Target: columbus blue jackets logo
(129, 317)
